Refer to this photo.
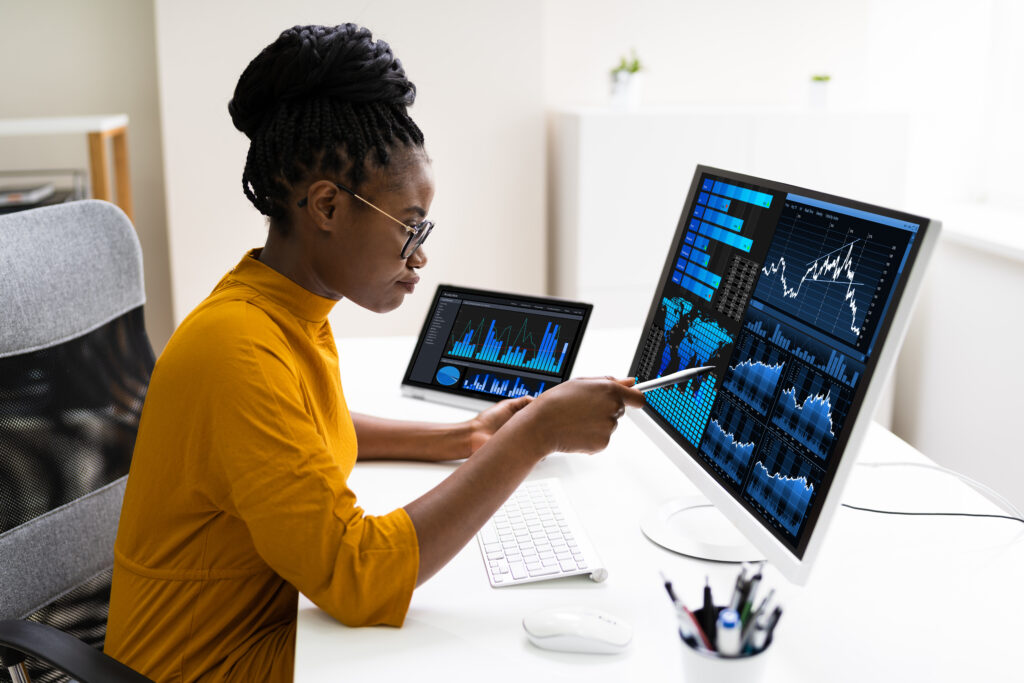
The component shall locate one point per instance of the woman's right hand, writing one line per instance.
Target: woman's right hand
(581, 414)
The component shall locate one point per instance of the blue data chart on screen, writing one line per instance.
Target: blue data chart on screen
(800, 341)
(729, 440)
(782, 485)
(724, 216)
(833, 268)
(811, 408)
(755, 372)
(688, 340)
(516, 340)
(505, 386)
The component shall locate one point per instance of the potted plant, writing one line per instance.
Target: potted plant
(626, 82)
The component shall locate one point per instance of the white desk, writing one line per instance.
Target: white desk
(890, 598)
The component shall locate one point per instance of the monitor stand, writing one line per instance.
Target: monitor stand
(693, 526)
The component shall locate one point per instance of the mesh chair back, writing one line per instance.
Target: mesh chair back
(74, 366)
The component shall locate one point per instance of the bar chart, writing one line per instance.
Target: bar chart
(505, 386)
(524, 341)
(722, 215)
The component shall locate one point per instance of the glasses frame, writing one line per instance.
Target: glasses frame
(417, 233)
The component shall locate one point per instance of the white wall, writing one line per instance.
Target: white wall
(960, 381)
(477, 69)
(68, 58)
(953, 66)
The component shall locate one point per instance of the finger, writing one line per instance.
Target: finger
(625, 381)
(629, 395)
(520, 403)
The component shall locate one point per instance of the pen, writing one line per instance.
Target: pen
(708, 612)
(737, 593)
(674, 378)
(689, 627)
(773, 620)
(748, 597)
(758, 636)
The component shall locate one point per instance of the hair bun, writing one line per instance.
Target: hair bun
(341, 63)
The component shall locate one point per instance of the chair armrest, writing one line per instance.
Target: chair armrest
(65, 652)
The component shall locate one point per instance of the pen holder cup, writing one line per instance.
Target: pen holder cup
(710, 667)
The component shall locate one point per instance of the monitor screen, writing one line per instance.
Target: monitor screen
(494, 345)
(791, 294)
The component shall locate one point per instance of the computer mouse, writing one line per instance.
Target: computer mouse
(577, 629)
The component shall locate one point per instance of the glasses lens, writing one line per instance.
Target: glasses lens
(423, 230)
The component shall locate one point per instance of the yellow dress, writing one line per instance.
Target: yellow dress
(237, 496)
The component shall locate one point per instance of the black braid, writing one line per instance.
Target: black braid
(319, 99)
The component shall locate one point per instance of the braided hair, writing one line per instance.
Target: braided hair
(319, 98)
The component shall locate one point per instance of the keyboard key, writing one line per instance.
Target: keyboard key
(544, 571)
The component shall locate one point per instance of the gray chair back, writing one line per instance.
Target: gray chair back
(74, 366)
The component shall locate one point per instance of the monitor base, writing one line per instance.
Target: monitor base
(693, 526)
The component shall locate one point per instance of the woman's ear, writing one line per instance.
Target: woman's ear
(323, 199)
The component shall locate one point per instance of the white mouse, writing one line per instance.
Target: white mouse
(577, 629)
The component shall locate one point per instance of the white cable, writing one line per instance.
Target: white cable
(984, 490)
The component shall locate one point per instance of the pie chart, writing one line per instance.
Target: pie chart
(447, 375)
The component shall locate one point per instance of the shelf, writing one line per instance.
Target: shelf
(98, 129)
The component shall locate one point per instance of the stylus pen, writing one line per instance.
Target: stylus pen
(674, 378)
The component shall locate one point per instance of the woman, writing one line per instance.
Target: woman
(237, 497)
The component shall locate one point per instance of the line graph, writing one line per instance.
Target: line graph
(729, 440)
(782, 484)
(830, 270)
(811, 409)
(826, 269)
(754, 372)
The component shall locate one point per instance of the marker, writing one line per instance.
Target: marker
(689, 627)
(748, 597)
(737, 593)
(773, 621)
(708, 612)
(674, 378)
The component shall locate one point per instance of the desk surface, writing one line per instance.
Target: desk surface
(890, 598)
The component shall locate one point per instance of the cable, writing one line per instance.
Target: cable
(931, 514)
(977, 485)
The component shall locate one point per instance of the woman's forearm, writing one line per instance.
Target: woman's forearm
(383, 439)
(447, 516)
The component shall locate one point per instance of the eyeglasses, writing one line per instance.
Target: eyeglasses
(417, 233)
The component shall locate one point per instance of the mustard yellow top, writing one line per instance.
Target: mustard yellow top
(237, 496)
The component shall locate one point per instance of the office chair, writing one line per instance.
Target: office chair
(75, 363)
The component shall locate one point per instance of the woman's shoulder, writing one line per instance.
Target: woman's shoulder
(228, 327)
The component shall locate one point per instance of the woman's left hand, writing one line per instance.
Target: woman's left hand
(489, 421)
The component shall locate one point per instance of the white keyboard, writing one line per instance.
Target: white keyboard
(536, 536)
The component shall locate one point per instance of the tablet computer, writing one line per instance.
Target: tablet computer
(478, 347)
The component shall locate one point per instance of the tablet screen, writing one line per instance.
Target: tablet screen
(494, 345)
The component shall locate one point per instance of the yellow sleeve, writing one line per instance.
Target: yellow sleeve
(269, 466)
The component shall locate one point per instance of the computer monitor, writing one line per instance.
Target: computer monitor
(801, 300)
